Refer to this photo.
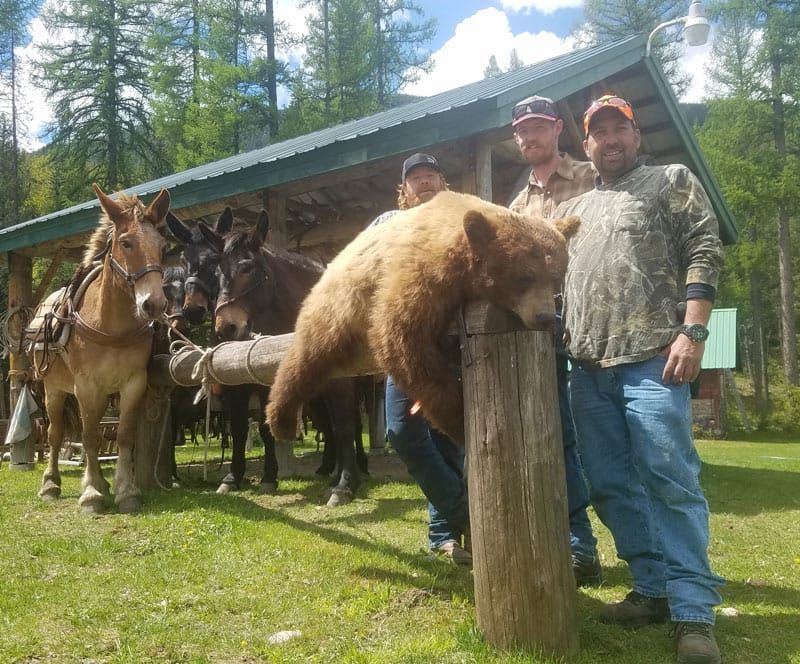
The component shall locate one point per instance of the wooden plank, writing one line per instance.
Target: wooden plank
(483, 168)
(275, 205)
(524, 585)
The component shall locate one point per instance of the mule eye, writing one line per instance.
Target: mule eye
(247, 269)
(125, 244)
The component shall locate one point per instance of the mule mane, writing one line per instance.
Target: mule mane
(99, 238)
(174, 273)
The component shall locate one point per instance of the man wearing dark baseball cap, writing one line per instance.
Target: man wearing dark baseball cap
(434, 461)
(648, 240)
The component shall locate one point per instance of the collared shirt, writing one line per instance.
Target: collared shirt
(642, 238)
(570, 179)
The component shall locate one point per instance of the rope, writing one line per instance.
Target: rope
(201, 371)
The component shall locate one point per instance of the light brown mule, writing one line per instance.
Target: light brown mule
(110, 344)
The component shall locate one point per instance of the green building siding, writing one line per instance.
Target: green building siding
(720, 350)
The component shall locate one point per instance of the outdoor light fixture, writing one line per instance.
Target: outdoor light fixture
(696, 26)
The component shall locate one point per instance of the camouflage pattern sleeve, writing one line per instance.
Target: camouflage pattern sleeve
(695, 227)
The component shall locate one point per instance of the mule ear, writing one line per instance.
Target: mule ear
(262, 228)
(567, 226)
(178, 229)
(480, 231)
(158, 208)
(108, 204)
(224, 222)
(212, 237)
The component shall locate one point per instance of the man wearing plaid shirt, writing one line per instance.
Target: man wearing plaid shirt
(557, 177)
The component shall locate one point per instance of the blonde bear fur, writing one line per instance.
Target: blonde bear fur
(395, 288)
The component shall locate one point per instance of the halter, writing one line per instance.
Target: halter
(246, 291)
(197, 281)
(130, 277)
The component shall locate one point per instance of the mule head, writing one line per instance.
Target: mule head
(200, 261)
(245, 276)
(174, 291)
(137, 247)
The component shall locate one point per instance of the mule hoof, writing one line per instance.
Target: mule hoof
(339, 498)
(226, 488)
(268, 488)
(91, 501)
(130, 505)
(50, 491)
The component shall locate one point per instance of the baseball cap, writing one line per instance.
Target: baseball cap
(534, 107)
(611, 101)
(419, 159)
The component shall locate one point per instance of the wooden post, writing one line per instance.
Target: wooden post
(44, 284)
(483, 168)
(20, 277)
(377, 420)
(152, 456)
(275, 205)
(524, 585)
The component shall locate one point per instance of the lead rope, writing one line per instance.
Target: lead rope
(204, 372)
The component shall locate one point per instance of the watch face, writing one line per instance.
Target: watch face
(695, 332)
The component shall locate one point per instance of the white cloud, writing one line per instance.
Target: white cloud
(542, 6)
(695, 62)
(33, 97)
(464, 56)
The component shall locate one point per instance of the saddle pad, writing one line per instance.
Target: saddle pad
(34, 334)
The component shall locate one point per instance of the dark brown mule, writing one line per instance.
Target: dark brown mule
(110, 344)
(261, 289)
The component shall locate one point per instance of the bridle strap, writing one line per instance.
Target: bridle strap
(197, 281)
(246, 291)
(132, 278)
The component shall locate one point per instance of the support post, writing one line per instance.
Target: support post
(483, 168)
(377, 420)
(275, 204)
(524, 585)
(152, 455)
(20, 278)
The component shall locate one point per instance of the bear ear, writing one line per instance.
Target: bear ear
(567, 226)
(479, 230)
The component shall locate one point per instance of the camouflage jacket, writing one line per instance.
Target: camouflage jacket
(642, 239)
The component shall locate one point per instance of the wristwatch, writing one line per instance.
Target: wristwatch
(695, 331)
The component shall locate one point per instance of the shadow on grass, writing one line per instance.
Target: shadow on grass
(439, 575)
(748, 491)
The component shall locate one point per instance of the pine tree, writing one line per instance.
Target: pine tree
(98, 81)
(492, 69)
(15, 16)
(609, 20)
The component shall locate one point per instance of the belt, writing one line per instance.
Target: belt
(586, 365)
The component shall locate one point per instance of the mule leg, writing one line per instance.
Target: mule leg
(339, 398)
(236, 399)
(94, 485)
(131, 406)
(51, 480)
(269, 480)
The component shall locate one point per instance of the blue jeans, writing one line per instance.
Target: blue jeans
(434, 461)
(635, 439)
(582, 539)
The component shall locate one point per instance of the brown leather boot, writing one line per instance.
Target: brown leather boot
(696, 643)
(636, 610)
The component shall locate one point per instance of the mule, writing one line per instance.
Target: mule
(115, 295)
(261, 289)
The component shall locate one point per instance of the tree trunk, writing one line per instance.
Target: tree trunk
(788, 327)
(272, 76)
(757, 345)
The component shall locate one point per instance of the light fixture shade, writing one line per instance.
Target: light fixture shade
(697, 27)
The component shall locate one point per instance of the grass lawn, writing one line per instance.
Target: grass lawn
(198, 577)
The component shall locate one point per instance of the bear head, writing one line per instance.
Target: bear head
(520, 261)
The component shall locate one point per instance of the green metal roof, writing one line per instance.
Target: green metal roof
(465, 111)
(720, 351)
